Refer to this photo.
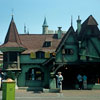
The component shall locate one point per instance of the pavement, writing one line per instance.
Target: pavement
(65, 95)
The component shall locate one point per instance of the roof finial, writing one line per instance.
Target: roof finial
(12, 14)
(24, 28)
(71, 20)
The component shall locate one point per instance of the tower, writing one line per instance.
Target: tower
(11, 48)
(45, 27)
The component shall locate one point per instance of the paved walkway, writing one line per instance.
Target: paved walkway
(65, 95)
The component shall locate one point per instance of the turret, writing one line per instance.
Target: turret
(12, 40)
(45, 27)
(11, 48)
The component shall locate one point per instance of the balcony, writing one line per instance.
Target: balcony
(11, 66)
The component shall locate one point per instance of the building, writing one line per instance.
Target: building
(1, 59)
(34, 59)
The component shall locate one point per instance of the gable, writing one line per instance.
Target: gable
(96, 42)
(90, 48)
(66, 37)
(70, 38)
(92, 52)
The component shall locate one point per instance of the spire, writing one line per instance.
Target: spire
(12, 37)
(12, 15)
(45, 27)
(12, 18)
(71, 20)
(45, 23)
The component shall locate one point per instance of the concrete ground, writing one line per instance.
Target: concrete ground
(65, 95)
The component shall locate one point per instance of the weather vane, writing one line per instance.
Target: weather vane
(12, 12)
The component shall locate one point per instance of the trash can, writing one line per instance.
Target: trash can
(8, 90)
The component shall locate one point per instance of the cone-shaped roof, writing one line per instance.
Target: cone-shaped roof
(12, 34)
(45, 23)
(12, 38)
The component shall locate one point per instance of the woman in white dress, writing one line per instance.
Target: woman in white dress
(59, 81)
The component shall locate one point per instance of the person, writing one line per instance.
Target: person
(84, 81)
(59, 81)
(79, 78)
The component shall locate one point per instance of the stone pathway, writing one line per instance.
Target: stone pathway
(65, 95)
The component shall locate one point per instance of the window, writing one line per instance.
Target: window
(5, 55)
(34, 74)
(12, 56)
(39, 54)
(69, 51)
(47, 44)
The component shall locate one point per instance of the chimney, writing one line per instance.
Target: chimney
(78, 25)
(59, 32)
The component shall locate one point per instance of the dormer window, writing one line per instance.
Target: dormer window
(47, 44)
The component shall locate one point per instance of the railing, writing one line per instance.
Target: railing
(10, 65)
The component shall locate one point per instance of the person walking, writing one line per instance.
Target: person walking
(59, 81)
(79, 78)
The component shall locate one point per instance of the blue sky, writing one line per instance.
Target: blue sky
(57, 12)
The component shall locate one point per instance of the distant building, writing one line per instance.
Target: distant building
(34, 59)
(45, 29)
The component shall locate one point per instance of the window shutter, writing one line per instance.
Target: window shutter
(32, 55)
(47, 55)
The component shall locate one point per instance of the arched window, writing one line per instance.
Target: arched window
(34, 74)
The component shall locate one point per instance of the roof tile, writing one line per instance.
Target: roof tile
(34, 42)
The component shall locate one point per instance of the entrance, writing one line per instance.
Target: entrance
(70, 73)
(70, 77)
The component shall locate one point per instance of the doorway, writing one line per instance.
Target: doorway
(70, 77)
(70, 72)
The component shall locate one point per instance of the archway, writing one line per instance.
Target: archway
(34, 77)
(69, 74)
(35, 74)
